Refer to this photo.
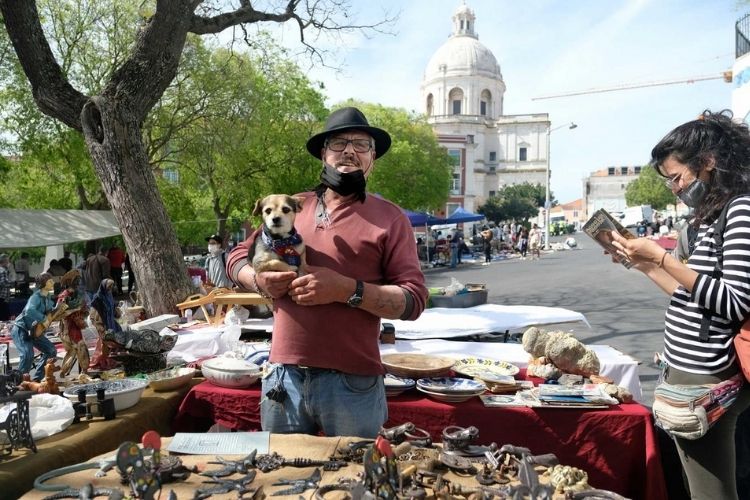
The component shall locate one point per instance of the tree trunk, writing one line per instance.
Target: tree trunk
(113, 138)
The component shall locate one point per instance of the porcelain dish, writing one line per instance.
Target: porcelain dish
(170, 379)
(396, 385)
(230, 372)
(450, 398)
(451, 385)
(485, 369)
(125, 391)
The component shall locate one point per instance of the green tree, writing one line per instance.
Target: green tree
(249, 142)
(517, 201)
(416, 173)
(649, 189)
(111, 118)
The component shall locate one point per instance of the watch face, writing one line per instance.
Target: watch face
(354, 301)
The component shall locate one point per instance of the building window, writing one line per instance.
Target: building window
(575, 214)
(522, 154)
(492, 194)
(171, 175)
(611, 171)
(455, 98)
(451, 207)
(456, 183)
(623, 170)
(429, 105)
(493, 156)
(455, 156)
(485, 103)
(637, 170)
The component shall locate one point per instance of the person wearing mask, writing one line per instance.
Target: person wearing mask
(706, 163)
(216, 262)
(4, 287)
(39, 309)
(325, 372)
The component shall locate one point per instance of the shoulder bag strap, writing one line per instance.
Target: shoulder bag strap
(719, 226)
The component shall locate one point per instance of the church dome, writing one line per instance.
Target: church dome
(463, 54)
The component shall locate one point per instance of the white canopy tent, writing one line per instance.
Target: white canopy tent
(44, 228)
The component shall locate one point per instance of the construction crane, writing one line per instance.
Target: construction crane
(725, 75)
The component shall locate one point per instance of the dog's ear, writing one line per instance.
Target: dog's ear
(258, 207)
(296, 202)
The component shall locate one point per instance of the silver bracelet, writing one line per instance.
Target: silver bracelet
(259, 289)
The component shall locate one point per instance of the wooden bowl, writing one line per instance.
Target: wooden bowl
(417, 365)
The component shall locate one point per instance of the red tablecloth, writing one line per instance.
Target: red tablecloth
(617, 446)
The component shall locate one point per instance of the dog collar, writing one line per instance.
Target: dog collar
(284, 247)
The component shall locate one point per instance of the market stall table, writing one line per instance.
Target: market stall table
(616, 446)
(88, 438)
(288, 446)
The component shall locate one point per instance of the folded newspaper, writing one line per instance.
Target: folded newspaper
(600, 227)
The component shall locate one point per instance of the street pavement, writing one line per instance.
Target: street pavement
(624, 308)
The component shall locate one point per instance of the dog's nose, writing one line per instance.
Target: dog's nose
(276, 220)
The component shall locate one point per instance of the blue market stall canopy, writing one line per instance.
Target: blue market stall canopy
(40, 228)
(462, 215)
(423, 219)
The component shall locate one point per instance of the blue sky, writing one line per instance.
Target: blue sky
(553, 46)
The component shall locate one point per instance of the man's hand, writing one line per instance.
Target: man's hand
(275, 283)
(321, 286)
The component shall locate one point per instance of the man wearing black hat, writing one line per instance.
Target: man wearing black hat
(216, 263)
(325, 373)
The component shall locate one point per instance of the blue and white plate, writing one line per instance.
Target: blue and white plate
(449, 397)
(396, 385)
(451, 385)
(486, 369)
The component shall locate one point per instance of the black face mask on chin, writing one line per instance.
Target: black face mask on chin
(344, 183)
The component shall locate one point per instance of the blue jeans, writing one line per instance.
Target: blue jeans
(317, 399)
(454, 255)
(26, 344)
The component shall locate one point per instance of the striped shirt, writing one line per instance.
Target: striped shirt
(728, 298)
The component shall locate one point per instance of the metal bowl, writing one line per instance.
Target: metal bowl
(170, 379)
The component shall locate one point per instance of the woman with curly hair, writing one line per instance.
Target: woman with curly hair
(706, 163)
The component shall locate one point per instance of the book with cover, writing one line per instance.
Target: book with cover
(600, 227)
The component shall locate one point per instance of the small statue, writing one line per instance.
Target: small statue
(48, 385)
(103, 315)
(73, 323)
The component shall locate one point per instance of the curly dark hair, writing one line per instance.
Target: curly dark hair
(714, 136)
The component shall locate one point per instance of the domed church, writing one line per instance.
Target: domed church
(462, 94)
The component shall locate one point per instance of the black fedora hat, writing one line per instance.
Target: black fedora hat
(349, 119)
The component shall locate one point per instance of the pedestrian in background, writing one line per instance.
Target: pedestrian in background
(4, 287)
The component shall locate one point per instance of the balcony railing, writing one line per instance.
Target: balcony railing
(742, 36)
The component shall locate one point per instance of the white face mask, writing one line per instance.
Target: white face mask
(214, 248)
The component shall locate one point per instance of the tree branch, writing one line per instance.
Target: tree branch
(201, 25)
(52, 92)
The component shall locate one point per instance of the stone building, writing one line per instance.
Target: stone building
(605, 188)
(462, 95)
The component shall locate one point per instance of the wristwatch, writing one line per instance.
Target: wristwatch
(356, 299)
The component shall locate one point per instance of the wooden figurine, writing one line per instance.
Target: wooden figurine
(48, 385)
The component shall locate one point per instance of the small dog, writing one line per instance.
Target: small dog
(278, 247)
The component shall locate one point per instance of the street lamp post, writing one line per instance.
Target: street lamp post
(547, 204)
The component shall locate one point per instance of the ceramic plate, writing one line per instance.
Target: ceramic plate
(451, 385)
(485, 369)
(449, 398)
(394, 382)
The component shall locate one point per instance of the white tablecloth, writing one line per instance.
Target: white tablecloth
(441, 322)
(618, 366)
